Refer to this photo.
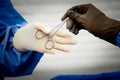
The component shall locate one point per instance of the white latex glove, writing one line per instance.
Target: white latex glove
(24, 39)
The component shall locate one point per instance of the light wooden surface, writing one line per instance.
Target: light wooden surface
(89, 55)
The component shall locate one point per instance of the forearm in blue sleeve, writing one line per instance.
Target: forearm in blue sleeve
(13, 62)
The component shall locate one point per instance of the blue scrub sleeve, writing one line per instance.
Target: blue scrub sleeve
(118, 39)
(102, 76)
(13, 62)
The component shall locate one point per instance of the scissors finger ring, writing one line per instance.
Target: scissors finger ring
(39, 34)
(49, 44)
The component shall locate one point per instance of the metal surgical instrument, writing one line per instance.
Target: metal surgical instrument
(50, 43)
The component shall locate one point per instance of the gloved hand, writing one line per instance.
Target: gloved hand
(88, 17)
(24, 39)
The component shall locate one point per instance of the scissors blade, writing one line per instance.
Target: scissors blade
(56, 29)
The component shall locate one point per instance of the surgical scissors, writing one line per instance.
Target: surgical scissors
(50, 43)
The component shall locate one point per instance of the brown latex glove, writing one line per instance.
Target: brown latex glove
(88, 17)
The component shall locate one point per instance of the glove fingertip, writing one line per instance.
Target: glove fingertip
(64, 17)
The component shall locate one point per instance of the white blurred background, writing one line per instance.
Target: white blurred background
(89, 55)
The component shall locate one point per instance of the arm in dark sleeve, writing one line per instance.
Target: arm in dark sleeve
(13, 62)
